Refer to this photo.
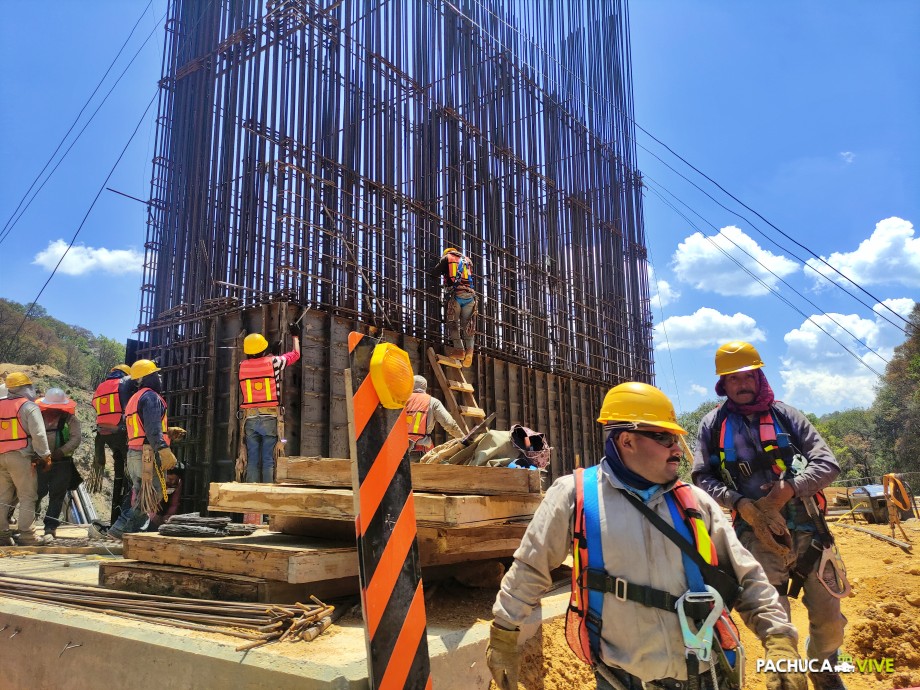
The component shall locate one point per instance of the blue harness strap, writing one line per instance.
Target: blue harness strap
(692, 570)
(595, 555)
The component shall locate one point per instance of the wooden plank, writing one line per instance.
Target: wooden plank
(445, 386)
(268, 555)
(171, 580)
(462, 387)
(472, 412)
(450, 479)
(449, 362)
(337, 504)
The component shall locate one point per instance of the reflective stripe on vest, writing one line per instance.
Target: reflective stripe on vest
(137, 436)
(774, 443)
(417, 408)
(107, 403)
(258, 387)
(12, 435)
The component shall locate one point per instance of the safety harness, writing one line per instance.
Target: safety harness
(459, 272)
(711, 595)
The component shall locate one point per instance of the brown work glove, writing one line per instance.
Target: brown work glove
(167, 459)
(503, 657)
(176, 433)
(780, 493)
(42, 464)
(780, 647)
(768, 525)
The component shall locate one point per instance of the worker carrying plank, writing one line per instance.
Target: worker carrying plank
(261, 414)
(460, 303)
(422, 411)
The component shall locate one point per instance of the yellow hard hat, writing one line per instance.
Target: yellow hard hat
(637, 404)
(737, 356)
(17, 378)
(123, 368)
(142, 368)
(254, 343)
(449, 250)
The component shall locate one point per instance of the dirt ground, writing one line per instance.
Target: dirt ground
(883, 612)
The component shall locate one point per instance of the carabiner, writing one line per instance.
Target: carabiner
(699, 643)
(830, 557)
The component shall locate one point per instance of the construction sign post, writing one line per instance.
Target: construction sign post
(388, 562)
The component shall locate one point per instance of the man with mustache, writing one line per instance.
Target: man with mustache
(760, 458)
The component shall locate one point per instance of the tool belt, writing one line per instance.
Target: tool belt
(272, 411)
(627, 681)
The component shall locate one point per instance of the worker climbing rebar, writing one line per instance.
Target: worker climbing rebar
(460, 303)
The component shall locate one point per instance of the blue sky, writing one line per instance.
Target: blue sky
(806, 111)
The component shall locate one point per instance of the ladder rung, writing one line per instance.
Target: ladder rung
(472, 412)
(461, 386)
(449, 362)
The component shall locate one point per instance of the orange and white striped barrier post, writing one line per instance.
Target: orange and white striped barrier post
(388, 562)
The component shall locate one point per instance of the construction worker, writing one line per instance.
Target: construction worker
(627, 522)
(422, 411)
(149, 454)
(460, 303)
(260, 406)
(64, 436)
(23, 451)
(109, 402)
(749, 458)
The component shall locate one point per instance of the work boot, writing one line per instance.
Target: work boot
(6, 538)
(97, 531)
(28, 539)
(468, 359)
(827, 680)
(454, 352)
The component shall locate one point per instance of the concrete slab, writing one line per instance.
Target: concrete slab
(52, 646)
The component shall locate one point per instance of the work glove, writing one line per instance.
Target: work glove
(779, 495)
(176, 433)
(57, 455)
(777, 647)
(503, 657)
(167, 459)
(294, 329)
(768, 525)
(42, 464)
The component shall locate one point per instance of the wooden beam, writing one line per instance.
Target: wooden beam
(337, 504)
(448, 479)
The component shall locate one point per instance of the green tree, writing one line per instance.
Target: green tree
(851, 437)
(691, 420)
(897, 404)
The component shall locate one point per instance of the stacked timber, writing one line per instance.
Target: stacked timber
(465, 515)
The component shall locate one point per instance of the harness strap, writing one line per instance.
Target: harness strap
(595, 556)
(642, 594)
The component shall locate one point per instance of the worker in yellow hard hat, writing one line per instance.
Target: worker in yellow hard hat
(460, 303)
(23, 451)
(261, 416)
(149, 453)
(624, 522)
(109, 400)
(764, 460)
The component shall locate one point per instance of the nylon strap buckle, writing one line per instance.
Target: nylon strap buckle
(699, 643)
(619, 588)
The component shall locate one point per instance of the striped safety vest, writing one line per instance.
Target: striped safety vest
(258, 387)
(107, 403)
(137, 437)
(417, 407)
(12, 435)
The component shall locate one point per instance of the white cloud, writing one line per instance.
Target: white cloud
(891, 256)
(706, 327)
(847, 156)
(699, 390)
(819, 376)
(702, 262)
(665, 294)
(82, 259)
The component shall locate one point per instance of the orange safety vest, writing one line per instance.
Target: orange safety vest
(12, 435)
(459, 271)
(258, 387)
(107, 403)
(417, 408)
(137, 437)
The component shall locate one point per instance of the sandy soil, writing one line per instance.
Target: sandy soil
(883, 612)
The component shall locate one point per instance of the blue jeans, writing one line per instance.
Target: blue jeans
(261, 434)
(132, 518)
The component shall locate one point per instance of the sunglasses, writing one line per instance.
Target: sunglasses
(663, 438)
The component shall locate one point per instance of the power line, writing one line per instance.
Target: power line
(76, 234)
(17, 213)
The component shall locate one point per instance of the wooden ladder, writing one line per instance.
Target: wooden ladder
(449, 372)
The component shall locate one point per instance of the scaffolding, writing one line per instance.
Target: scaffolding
(325, 153)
